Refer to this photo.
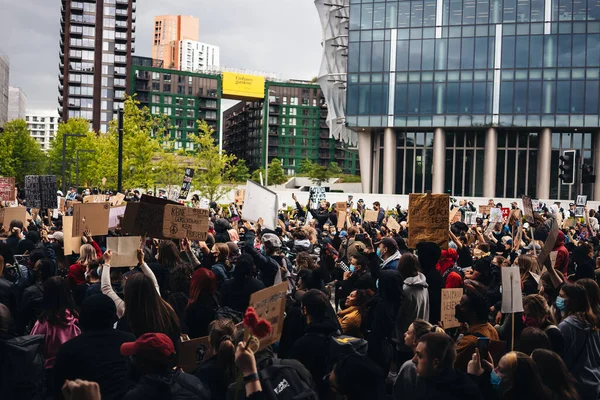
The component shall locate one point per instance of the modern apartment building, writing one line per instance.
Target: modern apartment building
(197, 56)
(17, 103)
(42, 126)
(185, 97)
(4, 74)
(474, 97)
(169, 30)
(97, 41)
(293, 128)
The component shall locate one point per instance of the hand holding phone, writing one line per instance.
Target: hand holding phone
(483, 344)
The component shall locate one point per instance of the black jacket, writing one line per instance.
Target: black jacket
(8, 296)
(312, 350)
(355, 282)
(30, 307)
(174, 386)
(199, 315)
(95, 357)
(211, 374)
(236, 293)
(436, 283)
(266, 265)
(450, 385)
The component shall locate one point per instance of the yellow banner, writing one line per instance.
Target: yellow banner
(242, 85)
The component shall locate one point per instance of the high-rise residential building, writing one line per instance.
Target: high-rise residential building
(471, 97)
(293, 128)
(97, 41)
(17, 103)
(169, 30)
(185, 97)
(42, 126)
(197, 56)
(4, 74)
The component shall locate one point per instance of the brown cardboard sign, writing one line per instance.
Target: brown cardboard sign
(192, 353)
(269, 304)
(182, 222)
(7, 189)
(371, 215)
(429, 216)
(9, 214)
(454, 215)
(485, 210)
(392, 224)
(117, 199)
(450, 298)
(71, 244)
(528, 209)
(124, 250)
(341, 219)
(549, 243)
(95, 198)
(92, 217)
(341, 206)
(238, 196)
(143, 219)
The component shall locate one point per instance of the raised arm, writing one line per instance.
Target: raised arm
(106, 287)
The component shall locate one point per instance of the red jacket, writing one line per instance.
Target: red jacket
(562, 256)
(76, 274)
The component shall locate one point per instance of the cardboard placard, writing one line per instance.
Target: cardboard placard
(528, 209)
(341, 220)
(471, 218)
(392, 224)
(553, 256)
(9, 214)
(454, 215)
(269, 304)
(116, 200)
(505, 212)
(182, 222)
(450, 298)
(484, 210)
(32, 191)
(579, 211)
(92, 217)
(569, 223)
(124, 250)
(7, 189)
(238, 196)
(71, 244)
(371, 215)
(549, 243)
(192, 353)
(95, 198)
(317, 194)
(581, 200)
(62, 204)
(143, 219)
(341, 206)
(429, 216)
(113, 216)
(512, 296)
(187, 183)
(514, 216)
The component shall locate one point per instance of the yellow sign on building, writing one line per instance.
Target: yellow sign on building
(243, 86)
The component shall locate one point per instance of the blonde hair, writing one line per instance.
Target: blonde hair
(87, 254)
(527, 264)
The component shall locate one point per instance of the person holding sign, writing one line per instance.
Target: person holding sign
(87, 253)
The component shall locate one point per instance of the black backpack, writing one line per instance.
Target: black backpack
(456, 269)
(342, 346)
(282, 382)
(22, 374)
(225, 312)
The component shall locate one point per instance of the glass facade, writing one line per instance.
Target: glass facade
(473, 63)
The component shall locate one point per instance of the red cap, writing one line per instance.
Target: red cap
(151, 346)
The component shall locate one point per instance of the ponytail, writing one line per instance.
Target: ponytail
(222, 333)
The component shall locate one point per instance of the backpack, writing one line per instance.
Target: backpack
(225, 312)
(22, 374)
(456, 269)
(282, 382)
(340, 346)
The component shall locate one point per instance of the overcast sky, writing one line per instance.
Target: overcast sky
(280, 36)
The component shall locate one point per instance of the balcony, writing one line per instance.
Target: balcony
(324, 135)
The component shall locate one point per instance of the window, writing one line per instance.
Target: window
(155, 98)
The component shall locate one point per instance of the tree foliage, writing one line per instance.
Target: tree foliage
(276, 174)
(240, 171)
(320, 173)
(20, 154)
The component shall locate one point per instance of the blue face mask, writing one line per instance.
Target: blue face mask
(377, 283)
(351, 268)
(495, 380)
(560, 303)
(378, 252)
(262, 249)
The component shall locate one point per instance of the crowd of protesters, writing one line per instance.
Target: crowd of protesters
(362, 316)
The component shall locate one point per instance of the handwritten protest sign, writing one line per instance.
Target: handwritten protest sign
(95, 198)
(41, 191)
(450, 298)
(260, 202)
(116, 200)
(371, 215)
(238, 196)
(484, 210)
(471, 218)
(317, 194)
(505, 212)
(269, 304)
(512, 297)
(124, 250)
(187, 183)
(392, 224)
(7, 189)
(341, 220)
(113, 216)
(9, 214)
(143, 219)
(341, 206)
(192, 353)
(429, 216)
(184, 222)
(32, 191)
(71, 244)
(454, 215)
(92, 217)
(528, 209)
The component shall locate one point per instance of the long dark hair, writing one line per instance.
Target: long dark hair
(222, 335)
(145, 310)
(524, 381)
(555, 375)
(593, 293)
(56, 301)
(168, 255)
(578, 305)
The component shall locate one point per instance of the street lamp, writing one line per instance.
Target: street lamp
(64, 157)
(77, 166)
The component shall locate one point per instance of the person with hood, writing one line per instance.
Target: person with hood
(312, 349)
(415, 287)
(584, 263)
(152, 361)
(95, 354)
(350, 246)
(451, 275)
(581, 331)
(301, 241)
(562, 256)
(236, 292)
(429, 254)
(270, 263)
(31, 301)
(388, 252)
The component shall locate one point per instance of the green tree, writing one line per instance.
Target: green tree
(23, 154)
(169, 170)
(334, 169)
(212, 166)
(256, 174)
(276, 173)
(306, 166)
(240, 171)
(319, 174)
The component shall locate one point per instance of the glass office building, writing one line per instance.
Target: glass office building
(474, 97)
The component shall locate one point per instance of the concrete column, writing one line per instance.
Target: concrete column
(439, 161)
(597, 165)
(489, 163)
(544, 163)
(375, 166)
(365, 156)
(389, 161)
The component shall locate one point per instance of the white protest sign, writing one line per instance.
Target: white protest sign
(124, 250)
(512, 295)
(260, 202)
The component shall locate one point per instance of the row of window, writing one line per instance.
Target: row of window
(35, 118)
(87, 7)
(81, 102)
(82, 42)
(89, 31)
(86, 55)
